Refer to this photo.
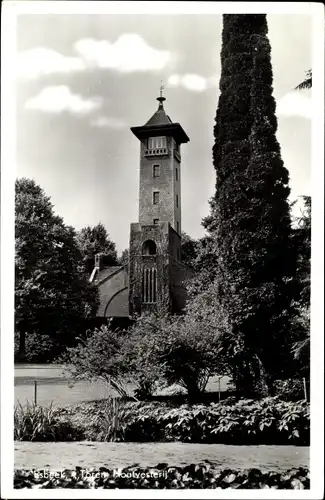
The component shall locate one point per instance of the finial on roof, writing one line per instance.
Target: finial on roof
(161, 99)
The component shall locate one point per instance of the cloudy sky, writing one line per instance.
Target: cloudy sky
(84, 80)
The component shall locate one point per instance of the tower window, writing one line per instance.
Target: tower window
(157, 142)
(156, 222)
(176, 173)
(149, 248)
(155, 197)
(149, 286)
(177, 225)
(156, 170)
(177, 200)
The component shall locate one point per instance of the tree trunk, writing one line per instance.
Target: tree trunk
(22, 346)
(193, 391)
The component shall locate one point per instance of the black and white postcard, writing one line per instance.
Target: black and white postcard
(162, 249)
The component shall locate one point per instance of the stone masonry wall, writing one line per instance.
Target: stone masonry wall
(171, 273)
(139, 234)
(166, 184)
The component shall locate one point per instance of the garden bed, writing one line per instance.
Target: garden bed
(162, 476)
(246, 422)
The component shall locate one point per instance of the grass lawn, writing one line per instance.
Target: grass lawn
(53, 386)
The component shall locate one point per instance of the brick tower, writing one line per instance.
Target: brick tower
(155, 271)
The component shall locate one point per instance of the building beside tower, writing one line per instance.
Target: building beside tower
(154, 277)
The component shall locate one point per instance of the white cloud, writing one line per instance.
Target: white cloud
(295, 104)
(59, 98)
(191, 81)
(129, 53)
(107, 122)
(174, 80)
(43, 61)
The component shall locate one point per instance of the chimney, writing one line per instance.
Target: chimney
(99, 261)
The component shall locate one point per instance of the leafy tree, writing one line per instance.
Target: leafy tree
(301, 323)
(94, 240)
(307, 82)
(301, 236)
(52, 294)
(189, 249)
(249, 223)
(124, 259)
(184, 350)
(98, 355)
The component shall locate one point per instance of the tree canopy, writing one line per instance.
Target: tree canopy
(249, 222)
(93, 240)
(52, 292)
(307, 83)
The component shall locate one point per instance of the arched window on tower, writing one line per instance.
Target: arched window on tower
(149, 248)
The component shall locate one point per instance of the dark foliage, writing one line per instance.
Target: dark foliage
(53, 297)
(307, 83)
(249, 224)
(163, 476)
(246, 422)
(95, 240)
(189, 250)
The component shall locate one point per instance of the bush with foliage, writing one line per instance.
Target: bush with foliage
(301, 322)
(184, 350)
(164, 476)
(37, 423)
(106, 420)
(98, 356)
(269, 421)
(156, 352)
(290, 390)
(247, 422)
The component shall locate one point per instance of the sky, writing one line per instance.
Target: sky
(84, 80)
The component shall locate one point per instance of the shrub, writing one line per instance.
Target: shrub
(39, 348)
(163, 476)
(290, 390)
(98, 356)
(108, 424)
(166, 350)
(269, 421)
(36, 423)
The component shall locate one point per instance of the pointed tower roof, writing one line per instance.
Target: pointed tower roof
(159, 117)
(159, 124)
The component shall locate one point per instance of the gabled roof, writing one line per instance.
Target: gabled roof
(100, 275)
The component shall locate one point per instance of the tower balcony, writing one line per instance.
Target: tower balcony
(156, 152)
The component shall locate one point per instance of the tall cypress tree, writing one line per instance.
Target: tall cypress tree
(249, 221)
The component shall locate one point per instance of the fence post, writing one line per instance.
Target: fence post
(305, 387)
(219, 389)
(35, 392)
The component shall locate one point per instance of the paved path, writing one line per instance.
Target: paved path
(85, 454)
(53, 386)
